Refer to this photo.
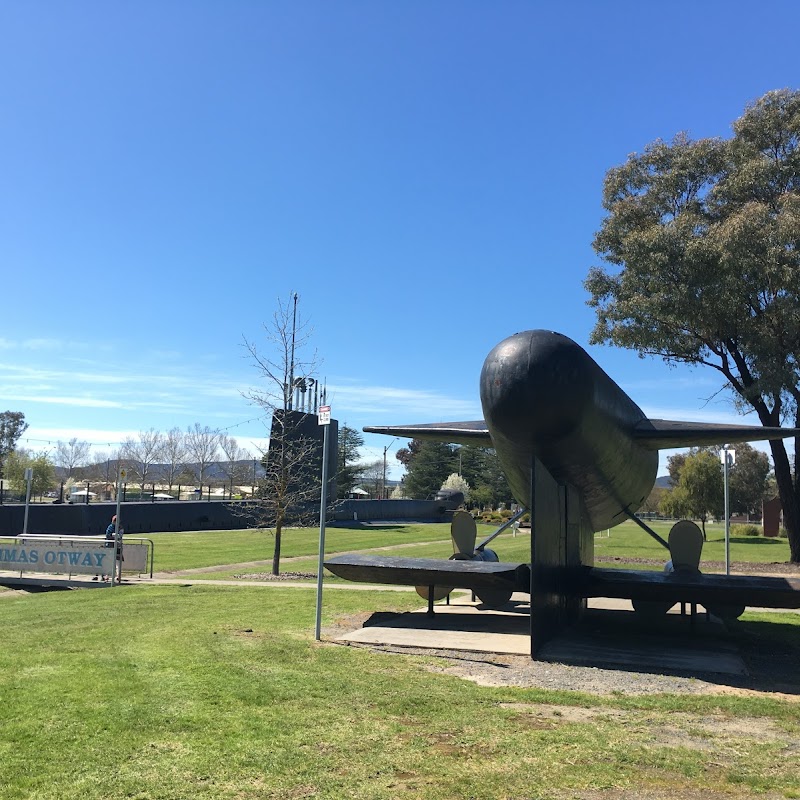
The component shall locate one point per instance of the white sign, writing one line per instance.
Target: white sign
(731, 457)
(44, 556)
(324, 415)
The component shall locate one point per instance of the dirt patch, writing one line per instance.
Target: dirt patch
(681, 731)
(698, 732)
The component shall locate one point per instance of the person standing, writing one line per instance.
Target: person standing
(112, 537)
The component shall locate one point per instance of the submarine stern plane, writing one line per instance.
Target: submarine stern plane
(582, 457)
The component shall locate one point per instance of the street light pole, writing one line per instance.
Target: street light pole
(288, 399)
(385, 450)
(728, 458)
(323, 419)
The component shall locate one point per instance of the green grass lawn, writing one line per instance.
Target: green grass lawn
(192, 549)
(626, 541)
(216, 692)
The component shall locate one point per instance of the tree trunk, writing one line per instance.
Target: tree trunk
(790, 502)
(276, 555)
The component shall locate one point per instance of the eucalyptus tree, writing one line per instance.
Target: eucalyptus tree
(12, 426)
(748, 480)
(43, 474)
(702, 241)
(699, 492)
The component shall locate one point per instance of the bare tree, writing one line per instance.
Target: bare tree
(98, 468)
(173, 454)
(102, 468)
(141, 454)
(291, 480)
(236, 461)
(71, 454)
(372, 475)
(202, 449)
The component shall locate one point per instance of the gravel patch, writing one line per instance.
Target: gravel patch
(775, 675)
(268, 576)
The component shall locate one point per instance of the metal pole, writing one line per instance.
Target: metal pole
(28, 480)
(322, 505)
(120, 489)
(291, 365)
(383, 486)
(727, 514)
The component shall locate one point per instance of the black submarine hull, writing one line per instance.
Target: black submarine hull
(543, 396)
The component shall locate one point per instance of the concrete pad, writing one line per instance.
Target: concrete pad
(462, 625)
(612, 635)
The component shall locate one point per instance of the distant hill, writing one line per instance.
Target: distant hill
(663, 482)
(217, 472)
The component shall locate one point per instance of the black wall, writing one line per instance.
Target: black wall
(93, 519)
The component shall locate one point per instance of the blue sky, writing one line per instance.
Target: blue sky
(426, 175)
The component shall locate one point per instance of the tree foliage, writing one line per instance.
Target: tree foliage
(702, 236)
(12, 426)
(481, 469)
(427, 466)
(747, 480)
(652, 503)
(348, 470)
(429, 463)
(699, 492)
(43, 472)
